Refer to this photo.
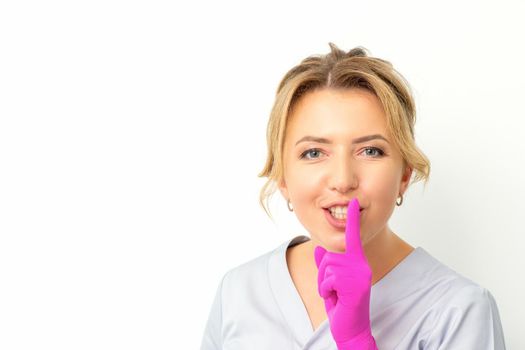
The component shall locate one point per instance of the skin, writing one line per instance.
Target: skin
(337, 171)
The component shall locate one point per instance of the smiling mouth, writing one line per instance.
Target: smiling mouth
(343, 219)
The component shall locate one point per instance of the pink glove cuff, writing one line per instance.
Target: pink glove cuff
(364, 341)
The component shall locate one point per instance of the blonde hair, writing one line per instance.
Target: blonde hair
(339, 69)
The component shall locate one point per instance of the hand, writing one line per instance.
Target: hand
(344, 282)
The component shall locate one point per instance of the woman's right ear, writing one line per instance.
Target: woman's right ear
(283, 189)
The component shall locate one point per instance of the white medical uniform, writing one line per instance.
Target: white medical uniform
(419, 304)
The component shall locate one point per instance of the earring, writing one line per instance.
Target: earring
(401, 202)
(288, 204)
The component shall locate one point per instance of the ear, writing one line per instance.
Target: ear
(283, 189)
(405, 178)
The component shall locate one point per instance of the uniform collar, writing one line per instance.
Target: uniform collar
(289, 301)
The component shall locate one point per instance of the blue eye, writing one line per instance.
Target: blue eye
(308, 152)
(379, 152)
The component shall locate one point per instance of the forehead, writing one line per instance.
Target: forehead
(333, 112)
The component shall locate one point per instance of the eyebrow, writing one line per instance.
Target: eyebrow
(354, 141)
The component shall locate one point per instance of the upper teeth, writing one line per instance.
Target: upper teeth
(338, 210)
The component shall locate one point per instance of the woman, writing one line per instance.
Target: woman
(341, 151)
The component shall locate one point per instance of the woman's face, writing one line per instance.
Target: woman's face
(317, 173)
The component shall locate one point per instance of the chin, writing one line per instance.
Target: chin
(336, 243)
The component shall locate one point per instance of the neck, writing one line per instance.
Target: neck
(383, 252)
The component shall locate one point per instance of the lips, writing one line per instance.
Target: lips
(328, 208)
(339, 225)
(340, 203)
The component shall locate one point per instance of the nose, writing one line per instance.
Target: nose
(342, 173)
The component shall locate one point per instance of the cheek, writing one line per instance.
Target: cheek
(305, 190)
(304, 186)
(380, 189)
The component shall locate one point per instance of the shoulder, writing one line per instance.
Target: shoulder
(469, 299)
(259, 264)
(472, 293)
(254, 271)
(423, 274)
(446, 289)
(464, 313)
(469, 319)
(438, 276)
(434, 307)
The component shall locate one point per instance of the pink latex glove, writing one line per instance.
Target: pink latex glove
(344, 282)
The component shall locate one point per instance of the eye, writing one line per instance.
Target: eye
(378, 151)
(303, 155)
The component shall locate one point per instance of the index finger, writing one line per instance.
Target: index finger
(353, 231)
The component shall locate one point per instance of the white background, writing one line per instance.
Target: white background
(132, 133)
